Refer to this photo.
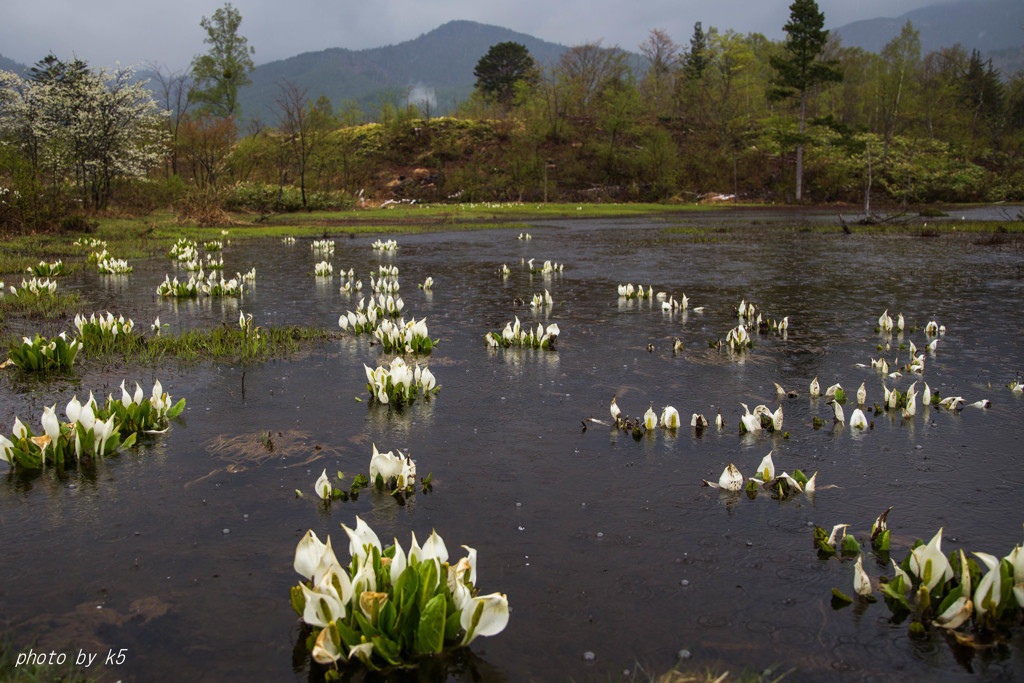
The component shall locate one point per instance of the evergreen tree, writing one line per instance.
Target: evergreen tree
(504, 65)
(219, 73)
(802, 66)
(696, 58)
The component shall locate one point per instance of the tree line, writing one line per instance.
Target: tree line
(741, 116)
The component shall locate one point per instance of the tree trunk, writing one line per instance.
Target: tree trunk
(800, 150)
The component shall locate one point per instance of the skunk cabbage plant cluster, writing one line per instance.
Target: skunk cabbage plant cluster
(40, 354)
(389, 606)
(549, 267)
(951, 591)
(515, 334)
(323, 247)
(400, 383)
(184, 250)
(779, 486)
(136, 412)
(113, 266)
(91, 431)
(96, 257)
(99, 329)
(212, 285)
(34, 287)
(628, 291)
(738, 339)
(367, 316)
(323, 269)
(404, 337)
(385, 284)
(90, 243)
(45, 269)
(214, 245)
(390, 245)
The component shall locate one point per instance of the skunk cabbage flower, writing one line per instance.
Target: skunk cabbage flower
(650, 418)
(749, 422)
(50, 423)
(989, 592)
(669, 418)
(731, 479)
(323, 486)
(6, 447)
(325, 650)
(862, 394)
(929, 564)
(837, 411)
(322, 607)
(359, 538)
(858, 420)
(308, 553)
(766, 470)
(815, 389)
(485, 615)
(616, 412)
(861, 581)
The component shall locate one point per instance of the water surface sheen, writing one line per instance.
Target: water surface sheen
(181, 550)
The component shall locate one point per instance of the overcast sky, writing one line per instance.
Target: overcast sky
(137, 32)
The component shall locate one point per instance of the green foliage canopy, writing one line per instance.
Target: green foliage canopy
(219, 73)
(504, 65)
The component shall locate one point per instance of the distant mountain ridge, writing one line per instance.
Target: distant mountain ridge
(984, 25)
(440, 62)
(436, 69)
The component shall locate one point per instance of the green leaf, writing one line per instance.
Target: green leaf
(850, 545)
(430, 632)
(428, 582)
(129, 442)
(387, 649)
(175, 411)
(839, 599)
(452, 626)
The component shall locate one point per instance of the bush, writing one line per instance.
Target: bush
(77, 222)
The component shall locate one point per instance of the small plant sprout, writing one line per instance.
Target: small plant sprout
(428, 284)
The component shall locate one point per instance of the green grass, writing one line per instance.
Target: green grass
(220, 343)
(44, 306)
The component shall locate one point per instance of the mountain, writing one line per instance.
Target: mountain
(437, 67)
(11, 65)
(984, 25)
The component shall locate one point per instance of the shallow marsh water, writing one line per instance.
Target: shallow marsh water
(180, 550)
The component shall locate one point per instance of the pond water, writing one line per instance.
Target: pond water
(612, 553)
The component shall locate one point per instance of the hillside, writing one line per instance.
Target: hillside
(438, 63)
(984, 25)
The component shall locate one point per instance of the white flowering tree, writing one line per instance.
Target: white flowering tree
(68, 122)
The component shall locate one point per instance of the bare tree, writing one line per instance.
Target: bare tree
(588, 69)
(301, 125)
(172, 91)
(661, 54)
